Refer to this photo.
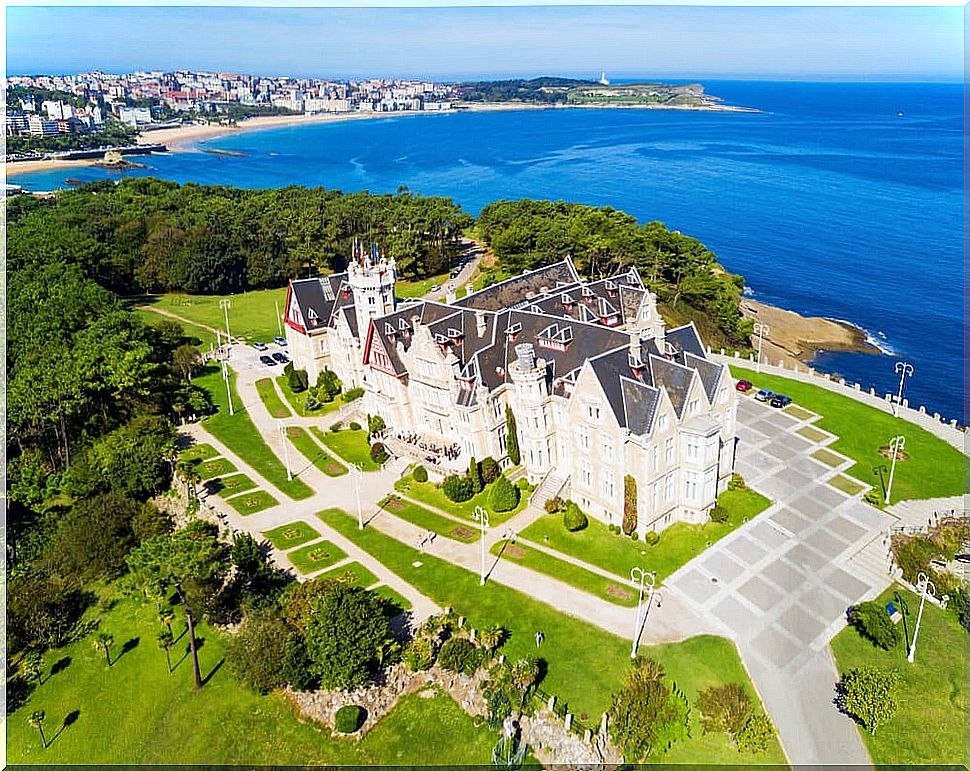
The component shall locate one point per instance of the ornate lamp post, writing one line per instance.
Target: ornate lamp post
(638, 576)
(286, 452)
(896, 444)
(760, 329)
(481, 516)
(928, 588)
(903, 368)
(357, 471)
(225, 304)
(225, 377)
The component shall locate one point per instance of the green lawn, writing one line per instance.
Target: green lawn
(350, 445)
(616, 591)
(251, 502)
(269, 397)
(296, 401)
(428, 520)
(352, 573)
(198, 336)
(678, 544)
(136, 713)
(934, 468)
(252, 315)
(315, 556)
(215, 467)
(812, 434)
(421, 286)
(830, 459)
(431, 494)
(290, 535)
(930, 723)
(314, 453)
(846, 485)
(239, 434)
(201, 451)
(231, 485)
(396, 597)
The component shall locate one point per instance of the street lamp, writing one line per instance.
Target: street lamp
(279, 318)
(896, 444)
(926, 584)
(286, 452)
(481, 516)
(225, 377)
(638, 576)
(224, 304)
(357, 472)
(760, 329)
(903, 368)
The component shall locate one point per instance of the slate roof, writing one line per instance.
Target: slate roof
(315, 296)
(685, 339)
(674, 378)
(519, 290)
(640, 402)
(710, 373)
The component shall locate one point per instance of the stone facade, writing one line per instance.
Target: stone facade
(599, 388)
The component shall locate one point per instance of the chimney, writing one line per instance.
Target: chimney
(526, 356)
(480, 323)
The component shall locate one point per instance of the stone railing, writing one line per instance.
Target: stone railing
(949, 431)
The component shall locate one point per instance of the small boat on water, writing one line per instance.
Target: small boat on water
(900, 114)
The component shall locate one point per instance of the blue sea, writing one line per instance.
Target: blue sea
(829, 202)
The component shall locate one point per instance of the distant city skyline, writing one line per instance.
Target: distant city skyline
(685, 42)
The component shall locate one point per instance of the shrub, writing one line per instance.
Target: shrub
(573, 518)
(634, 536)
(874, 498)
(475, 476)
(737, 482)
(512, 437)
(555, 505)
(353, 394)
(724, 708)
(755, 734)
(490, 470)
(873, 622)
(419, 655)
(629, 504)
(459, 655)
(354, 426)
(870, 695)
(266, 653)
(337, 426)
(297, 379)
(420, 474)
(349, 718)
(375, 424)
(378, 453)
(457, 488)
(651, 538)
(959, 605)
(503, 496)
(718, 514)
(647, 715)
(328, 385)
(311, 402)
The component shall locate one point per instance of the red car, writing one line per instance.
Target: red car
(744, 385)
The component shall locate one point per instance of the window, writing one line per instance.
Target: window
(371, 300)
(593, 412)
(669, 450)
(607, 448)
(501, 440)
(694, 406)
(662, 423)
(586, 473)
(655, 491)
(692, 447)
(668, 488)
(656, 458)
(690, 487)
(583, 439)
(609, 485)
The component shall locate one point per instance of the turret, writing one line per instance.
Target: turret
(372, 278)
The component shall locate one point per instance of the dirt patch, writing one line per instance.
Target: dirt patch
(279, 412)
(332, 468)
(395, 504)
(463, 532)
(515, 552)
(886, 452)
(619, 592)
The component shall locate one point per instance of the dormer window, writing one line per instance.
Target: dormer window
(389, 330)
(312, 317)
(455, 336)
(555, 338)
(500, 371)
(567, 301)
(611, 289)
(512, 331)
(587, 295)
(636, 365)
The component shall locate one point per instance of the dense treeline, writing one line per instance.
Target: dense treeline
(602, 241)
(538, 90)
(145, 234)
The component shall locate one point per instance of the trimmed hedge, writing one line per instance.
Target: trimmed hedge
(420, 474)
(457, 488)
(503, 496)
(349, 718)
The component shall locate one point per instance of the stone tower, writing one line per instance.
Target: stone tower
(371, 277)
(533, 419)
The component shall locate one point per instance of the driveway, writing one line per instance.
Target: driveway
(780, 585)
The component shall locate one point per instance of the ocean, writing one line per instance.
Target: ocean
(838, 200)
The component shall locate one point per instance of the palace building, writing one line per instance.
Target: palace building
(599, 388)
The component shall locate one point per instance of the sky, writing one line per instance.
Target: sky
(676, 42)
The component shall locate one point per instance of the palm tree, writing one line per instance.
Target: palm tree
(524, 674)
(103, 642)
(167, 616)
(491, 638)
(165, 641)
(31, 666)
(36, 719)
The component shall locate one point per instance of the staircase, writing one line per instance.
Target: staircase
(873, 561)
(918, 516)
(550, 487)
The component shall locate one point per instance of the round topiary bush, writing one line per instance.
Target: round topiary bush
(355, 426)
(459, 655)
(457, 488)
(634, 536)
(504, 496)
(336, 426)
(573, 518)
(651, 538)
(718, 514)
(349, 718)
(378, 453)
(420, 474)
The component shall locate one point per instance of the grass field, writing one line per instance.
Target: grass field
(251, 502)
(428, 520)
(201, 451)
(934, 468)
(315, 556)
(239, 434)
(296, 401)
(269, 397)
(231, 485)
(432, 495)
(929, 726)
(350, 445)
(215, 467)
(617, 591)
(136, 713)
(421, 286)
(678, 544)
(252, 315)
(352, 573)
(395, 597)
(290, 535)
(314, 453)
(198, 336)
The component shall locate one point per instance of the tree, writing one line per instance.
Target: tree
(133, 459)
(167, 617)
(375, 424)
(103, 642)
(457, 488)
(870, 695)
(420, 474)
(95, 536)
(512, 437)
(185, 561)
(525, 673)
(186, 359)
(491, 638)
(165, 641)
(755, 734)
(36, 719)
(503, 495)
(647, 715)
(378, 453)
(346, 635)
(873, 622)
(475, 476)
(629, 504)
(245, 554)
(490, 470)
(31, 667)
(267, 653)
(573, 517)
(724, 708)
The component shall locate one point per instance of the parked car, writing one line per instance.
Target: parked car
(279, 340)
(267, 360)
(765, 395)
(280, 357)
(259, 345)
(453, 274)
(435, 288)
(780, 400)
(744, 385)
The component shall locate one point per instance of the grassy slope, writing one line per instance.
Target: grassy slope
(935, 469)
(432, 494)
(239, 434)
(350, 445)
(251, 315)
(135, 712)
(314, 453)
(929, 726)
(269, 397)
(426, 519)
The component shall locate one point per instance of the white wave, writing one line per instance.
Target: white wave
(878, 341)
